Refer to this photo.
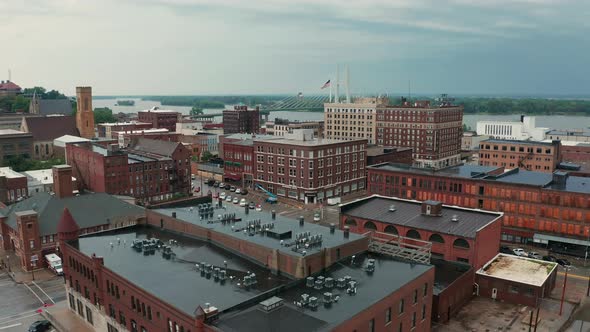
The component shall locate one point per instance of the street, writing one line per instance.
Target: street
(21, 304)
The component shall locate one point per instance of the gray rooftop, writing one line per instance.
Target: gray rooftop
(282, 225)
(55, 106)
(389, 276)
(312, 142)
(409, 214)
(176, 281)
(515, 176)
(509, 141)
(88, 210)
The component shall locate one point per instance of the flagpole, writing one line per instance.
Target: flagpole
(330, 100)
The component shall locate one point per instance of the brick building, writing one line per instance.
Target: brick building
(200, 143)
(15, 143)
(311, 170)
(13, 186)
(539, 208)
(45, 129)
(433, 132)
(159, 118)
(106, 130)
(149, 170)
(84, 113)
(239, 159)
(8, 88)
(354, 120)
(577, 153)
(517, 280)
(533, 156)
(126, 138)
(111, 294)
(280, 127)
(388, 154)
(241, 120)
(30, 226)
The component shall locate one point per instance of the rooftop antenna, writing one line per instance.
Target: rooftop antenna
(337, 96)
(347, 79)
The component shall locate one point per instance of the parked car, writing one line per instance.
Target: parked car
(535, 255)
(549, 258)
(506, 250)
(228, 198)
(236, 200)
(252, 205)
(216, 184)
(227, 187)
(563, 262)
(40, 326)
(211, 182)
(244, 191)
(197, 189)
(216, 195)
(258, 207)
(238, 191)
(520, 252)
(232, 188)
(243, 202)
(317, 216)
(222, 185)
(193, 177)
(222, 195)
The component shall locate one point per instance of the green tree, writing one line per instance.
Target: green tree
(206, 156)
(38, 90)
(103, 115)
(21, 164)
(195, 111)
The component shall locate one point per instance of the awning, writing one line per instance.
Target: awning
(542, 238)
(234, 177)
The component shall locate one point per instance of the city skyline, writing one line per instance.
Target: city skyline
(204, 47)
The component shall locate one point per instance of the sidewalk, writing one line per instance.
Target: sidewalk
(16, 272)
(65, 320)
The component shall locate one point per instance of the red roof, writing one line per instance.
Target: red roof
(67, 224)
(9, 86)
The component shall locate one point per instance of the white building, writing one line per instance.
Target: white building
(189, 127)
(42, 181)
(525, 129)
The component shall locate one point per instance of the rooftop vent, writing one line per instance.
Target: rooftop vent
(455, 218)
(432, 208)
(271, 304)
(392, 208)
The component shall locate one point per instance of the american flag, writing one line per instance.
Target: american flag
(327, 84)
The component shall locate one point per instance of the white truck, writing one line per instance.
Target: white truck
(334, 201)
(54, 263)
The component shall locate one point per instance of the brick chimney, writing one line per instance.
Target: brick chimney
(62, 181)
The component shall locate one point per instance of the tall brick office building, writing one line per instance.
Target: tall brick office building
(546, 209)
(311, 170)
(530, 155)
(149, 170)
(159, 118)
(241, 120)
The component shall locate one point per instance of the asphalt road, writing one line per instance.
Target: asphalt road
(20, 304)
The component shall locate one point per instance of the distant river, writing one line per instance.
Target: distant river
(550, 121)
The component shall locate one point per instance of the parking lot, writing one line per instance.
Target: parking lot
(20, 304)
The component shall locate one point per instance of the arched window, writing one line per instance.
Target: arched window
(350, 222)
(390, 229)
(370, 225)
(37, 150)
(412, 233)
(461, 243)
(436, 238)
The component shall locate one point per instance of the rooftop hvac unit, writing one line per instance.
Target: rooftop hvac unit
(455, 218)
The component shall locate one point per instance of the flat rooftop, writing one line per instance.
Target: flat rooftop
(408, 213)
(312, 142)
(42, 176)
(513, 141)
(389, 276)
(128, 123)
(177, 281)
(9, 173)
(514, 176)
(282, 226)
(373, 150)
(11, 132)
(519, 269)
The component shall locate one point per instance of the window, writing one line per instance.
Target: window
(400, 327)
(32, 244)
(388, 315)
(372, 325)
(401, 306)
(149, 312)
(461, 243)
(513, 289)
(423, 311)
(415, 296)
(132, 302)
(436, 238)
(110, 328)
(133, 326)
(413, 320)
(89, 316)
(425, 289)
(122, 318)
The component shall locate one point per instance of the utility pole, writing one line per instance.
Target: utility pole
(563, 293)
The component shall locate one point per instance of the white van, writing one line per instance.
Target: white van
(54, 263)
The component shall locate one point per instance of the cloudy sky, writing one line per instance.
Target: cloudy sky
(287, 46)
